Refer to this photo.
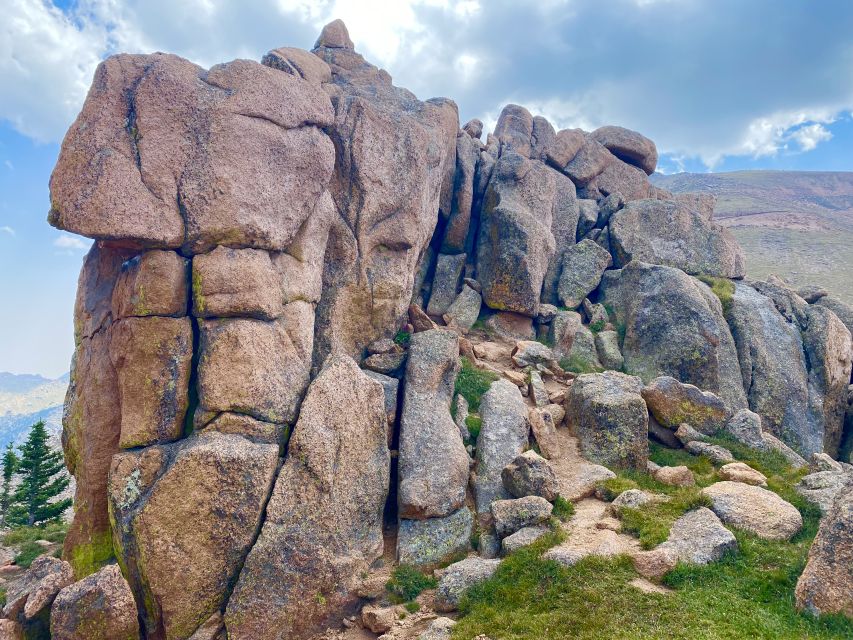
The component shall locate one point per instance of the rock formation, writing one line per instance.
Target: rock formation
(266, 232)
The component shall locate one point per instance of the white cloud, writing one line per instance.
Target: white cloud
(46, 65)
(811, 135)
(9, 165)
(69, 242)
(7, 229)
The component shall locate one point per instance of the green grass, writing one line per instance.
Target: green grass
(54, 532)
(472, 383)
(407, 583)
(29, 551)
(412, 607)
(577, 364)
(748, 594)
(597, 326)
(402, 338)
(474, 424)
(563, 509)
(723, 288)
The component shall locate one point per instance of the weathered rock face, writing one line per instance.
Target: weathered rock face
(674, 326)
(503, 436)
(610, 419)
(698, 537)
(323, 523)
(669, 233)
(180, 574)
(824, 586)
(394, 171)
(774, 367)
(673, 403)
(582, 268)
(92, 415)
(156, 187)
(515, 243)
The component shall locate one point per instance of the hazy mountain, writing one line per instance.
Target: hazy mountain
(25, 399)
(798, 224)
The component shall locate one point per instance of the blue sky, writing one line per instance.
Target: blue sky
(720, 85)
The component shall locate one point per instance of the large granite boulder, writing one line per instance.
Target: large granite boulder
(434, 540)
(150, 180)
(236, 282)
(503, 436)
(457, 236)
(30, 597)
(774, 368)
(668, 233)
(564, 225)
(433, 463)
(99, 607)
(514, 130)
(153, 283)
(182, 574)
(674, 326)
(256, 367)
(829, 351)
(323, 524)
(459, 577)
(610, 419)
(629, 146)
(583, 265)
(840, 308)
(515, 243)
(825, 585)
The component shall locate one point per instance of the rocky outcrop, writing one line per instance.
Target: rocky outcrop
(29, 599)
(460, 576)
(323, 523)
(392, 179)
(581, 271)
(698, 537)
(674, 326)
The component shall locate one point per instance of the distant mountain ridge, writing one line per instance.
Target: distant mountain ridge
(26, 399)
(797, 224)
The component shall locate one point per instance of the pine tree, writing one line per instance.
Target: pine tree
(42, 478)
(10, 466)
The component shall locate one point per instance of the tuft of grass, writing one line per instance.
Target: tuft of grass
(407, 583)
(474, 424)
(563, 509)
(652, 522)
(2, 596)
(29, 551)
(577, 364)
(472, 383)
(597, 326)
(612, 487)
(723, 288)
(412, 607)
(402, 338)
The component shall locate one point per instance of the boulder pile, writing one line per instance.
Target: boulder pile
(290, 258)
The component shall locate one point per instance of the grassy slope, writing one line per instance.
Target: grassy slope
(822, 254)
(749, 594)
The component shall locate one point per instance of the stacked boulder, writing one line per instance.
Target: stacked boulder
(262, 229)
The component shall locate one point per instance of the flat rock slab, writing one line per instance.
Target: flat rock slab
(754, 509)
(698, 537)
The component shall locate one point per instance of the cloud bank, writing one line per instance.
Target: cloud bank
(704, 78)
